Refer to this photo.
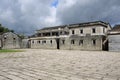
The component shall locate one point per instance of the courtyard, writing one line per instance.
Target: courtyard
(40, 64)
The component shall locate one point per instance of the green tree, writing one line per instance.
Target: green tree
(4, 29)
(1, 29)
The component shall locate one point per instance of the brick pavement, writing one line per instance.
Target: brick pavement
(37, 64)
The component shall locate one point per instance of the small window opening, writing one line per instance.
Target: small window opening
(51, 41)
(94, 42)
(93, 30)
(73, 32)
(81, 31)
(72, 42)
(32, 41)
(81, 42)
(63, 41)
(39, 42)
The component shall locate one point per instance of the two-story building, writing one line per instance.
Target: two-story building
(82, 36)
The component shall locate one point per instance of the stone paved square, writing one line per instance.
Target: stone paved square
(39, 64)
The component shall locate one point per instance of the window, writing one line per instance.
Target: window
(103, 30)
(60, 32)
(66, 33)
(39, 34)
(43, 42)
(94, 42)
(14, 39)
(63, 41)
(51, 41)
(72, 41)
(93, 30)
(73, 32)
(81, 31)
(39, 42)
(32, 41)
(81, 42)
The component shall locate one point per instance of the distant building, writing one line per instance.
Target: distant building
(114, 38)
(10, 40)
(82, 36)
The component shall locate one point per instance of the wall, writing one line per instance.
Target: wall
(87, 43)
(65, 43)
(114, 42)
(25, 43)
(88, 30)
(44, 43)
(100, 31)
(10, 41)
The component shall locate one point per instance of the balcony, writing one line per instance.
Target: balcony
(51, 34)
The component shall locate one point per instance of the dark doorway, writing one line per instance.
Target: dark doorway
(105, 44)
(58, 43)
(29, 44)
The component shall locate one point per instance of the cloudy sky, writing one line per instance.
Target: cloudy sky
(26, 16)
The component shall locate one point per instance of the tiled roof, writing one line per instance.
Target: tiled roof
(77, 25)
(116, 28)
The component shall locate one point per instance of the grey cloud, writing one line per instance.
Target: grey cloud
(91, 10)
(25, 16)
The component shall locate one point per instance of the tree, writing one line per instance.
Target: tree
(3, 29)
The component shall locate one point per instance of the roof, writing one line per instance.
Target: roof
(6, 33)
(116, 28)
(55, 27)
(78, 25)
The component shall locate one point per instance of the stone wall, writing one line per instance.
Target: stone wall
(114, 42)
(83, 43)
(99, 30)
(25, 43)
(49, 43)
(90, 38)
(66, 43)
(10, 41)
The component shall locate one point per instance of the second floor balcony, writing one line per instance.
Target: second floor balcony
(48, 34)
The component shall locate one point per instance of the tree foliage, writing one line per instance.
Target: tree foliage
(4, 29)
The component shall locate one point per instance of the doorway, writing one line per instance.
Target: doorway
(105, 46)
(58, 43)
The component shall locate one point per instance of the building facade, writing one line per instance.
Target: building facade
(10, 40)
(114, 38)
(82, 36)
(25, 43)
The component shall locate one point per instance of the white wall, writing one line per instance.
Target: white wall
(114, 42)
(88, 30)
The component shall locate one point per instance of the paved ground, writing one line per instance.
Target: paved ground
(36, 64)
